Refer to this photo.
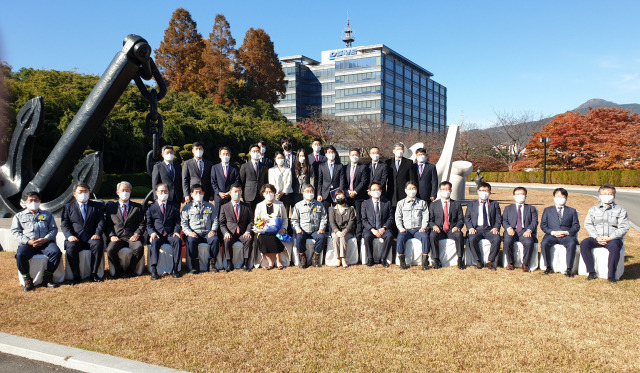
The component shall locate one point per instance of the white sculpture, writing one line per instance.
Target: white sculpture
(458, 179)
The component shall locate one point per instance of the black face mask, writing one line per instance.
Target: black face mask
(341, 201)
(287, 147)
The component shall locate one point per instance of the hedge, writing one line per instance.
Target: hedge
(141, 184)
(619, 178)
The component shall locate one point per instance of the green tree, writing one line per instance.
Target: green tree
(260, 68)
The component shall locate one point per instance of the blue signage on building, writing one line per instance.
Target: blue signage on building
(342, 52)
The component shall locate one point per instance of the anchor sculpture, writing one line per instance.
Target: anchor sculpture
(51, 181)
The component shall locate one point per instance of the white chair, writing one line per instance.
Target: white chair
(261, 261)
(84, 259)
(309, 252)
(203, 257)
(37, 266)
(412, 252)
(238, 255)
(165, 259)
(519, 254)
(125, 255)
(377, 251)
(331, 259)
(485, 249)
(448, 253)
(601, 263)
(559, 260)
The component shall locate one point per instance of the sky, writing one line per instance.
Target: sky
(495, 57)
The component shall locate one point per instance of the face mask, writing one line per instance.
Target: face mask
(225, 159)
(376, 194)
(341, 200)
(421, 158)
(280, 161)
(309, 196)
(163, 197)
(519, 198)
(301, 159)
(33, 206)
(411, 192)
(82, 197)
(269, 197)
(560, 201)
(483, 195)
(198, 197)
(375, 157)
(236, 196)
(255, 155)
(168, 157)
(263, 150)
(316, 148)
(198, 153)
(398, 153)
(354, 159)
(445, 194)
(286, 147)
(125, 196)
(605, 198)
(331, 156)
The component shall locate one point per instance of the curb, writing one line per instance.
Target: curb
(73, 358)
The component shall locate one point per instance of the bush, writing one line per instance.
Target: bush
(619, 178)
(110, 182)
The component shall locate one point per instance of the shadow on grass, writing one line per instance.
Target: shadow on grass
(631, 271)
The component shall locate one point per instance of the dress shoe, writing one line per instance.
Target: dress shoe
(370, 262)
(510, 267)
(154, 274)
(212, 266)
(195, 267)
(245, 265)
(403, 264)
(548, 271)
(525, 268)
(490, 265)
(95, 278)
(569, 274)
(479, 265)
(425, 262)
(194, 271)
(437, 264)
(28, 284)
(175, 274)
(461, 264)
(76, 281)
(229, 267)
(592, 276)
(385, 263)
(48, 281)
(612, 280)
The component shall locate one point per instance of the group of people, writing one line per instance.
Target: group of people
(305, 193)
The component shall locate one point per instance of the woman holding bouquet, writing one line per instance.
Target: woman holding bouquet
(270, 219)
(342, 219)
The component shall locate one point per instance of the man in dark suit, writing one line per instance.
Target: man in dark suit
(236, 222)
(125, 227)
(163, 227)
(446, 221)
(253, 176)
(197, 170)
(400, 172)
(427, 177)
(168, 173)
(483, 220)
(377, 222)
(378, 169)
(223, 175)
(561, 225)
(289, 156)
(357, 175)
(316, 158)
(520, 221)
(83, 225)
(330, 176)
(264, 159)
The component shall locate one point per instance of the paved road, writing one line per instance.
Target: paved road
(12, 364)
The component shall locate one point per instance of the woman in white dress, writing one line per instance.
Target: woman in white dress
(268, 243)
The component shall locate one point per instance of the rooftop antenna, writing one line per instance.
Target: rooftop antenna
(348, 37)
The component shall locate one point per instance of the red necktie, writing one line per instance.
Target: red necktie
(421, 167)
(124, 212)
(353, 174)
(316, 158)
(519, 219)
(236, 210)
(224, 169)
(164, 231)
(445, 225)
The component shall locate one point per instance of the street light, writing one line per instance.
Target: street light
(545, 140)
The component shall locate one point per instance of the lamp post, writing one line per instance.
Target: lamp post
(544, 141)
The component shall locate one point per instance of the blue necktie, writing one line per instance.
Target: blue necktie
(170, 166)
(484, 216)
(83, 209)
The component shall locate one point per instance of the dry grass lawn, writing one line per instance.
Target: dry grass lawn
(358, 319)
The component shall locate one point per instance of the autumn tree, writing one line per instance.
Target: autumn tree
(602, 139)
(260, 68)
(179, 56)
(219, 55)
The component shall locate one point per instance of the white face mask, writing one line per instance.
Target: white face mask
(168, 157)
(280, 161)
(559, 201)
(236, 196)
(421, 158)
(255, 155)
(331, 156)
(375, 157)
(198, 153)
(82, 197)
(483, 195)
(354, 158)
(376, 193)
(163, 197)
(198, 197)
(225, 159)
(316, 148)
(309, 196)
(33, 206)
(301, 159)
(445, 194)
(606, 198)
(398, 153)
(269, 197)
(519, 198)
(124, 196)
(263, 150)
(411, 192)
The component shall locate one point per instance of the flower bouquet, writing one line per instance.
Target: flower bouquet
(269, 225)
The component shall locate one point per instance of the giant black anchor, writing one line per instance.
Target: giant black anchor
(17, 177)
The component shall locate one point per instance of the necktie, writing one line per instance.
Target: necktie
(373, 170)
(378, 223)
(170, 166)
(289, 160)
(224, 169)
(200, 166)
(164, 231)
(83, 209)
(560, 213)
(484, 216)
(421, 168)
(124, 211)
(255, 167)
(331, 170)
(162, 208)
(519, 219)
(445, 225)
(237, 212)
(397, 165)
(353, 174)
(316, 158)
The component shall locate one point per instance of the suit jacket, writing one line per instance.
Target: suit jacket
(267, 161)
(428, 182)
(569, 223)
(294, 159)
(326, 183)
(169, 222)
(161, 174)
(191, 175)
(360, 180)
(529, 218)
(228, 221)
(252, 182)
(116, 226)
(368, 213)
(343, 223)
(221, 184)
(73, 225)
(315, 165)
(398, 179)
(436, 214)
(380, 174)
(281, 179)
(471, 218)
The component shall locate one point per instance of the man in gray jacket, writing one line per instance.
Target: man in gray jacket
(309, 220)
(199, 220)
(412, 220)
